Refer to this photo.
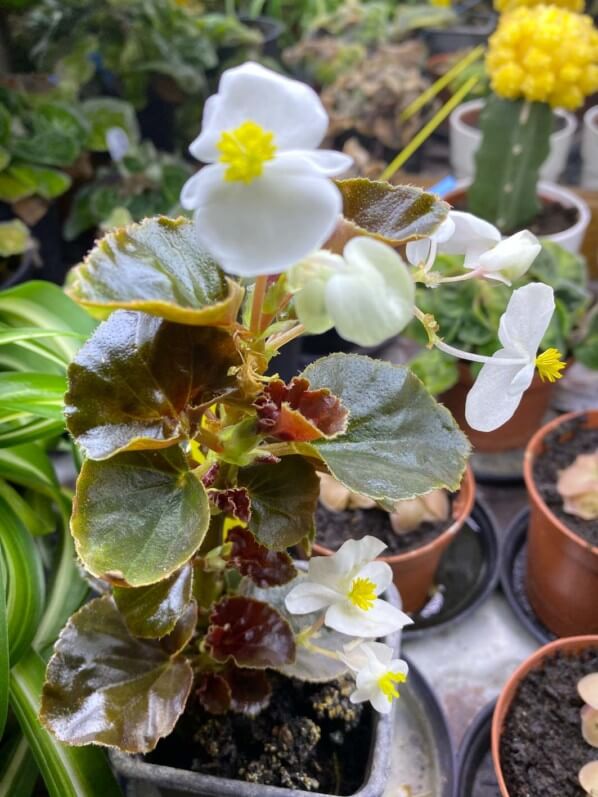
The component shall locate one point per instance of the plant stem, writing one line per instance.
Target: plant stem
(478, 272)
(478, 358)
(277, 341)
(259, 291)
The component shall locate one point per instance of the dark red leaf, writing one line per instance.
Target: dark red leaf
(214, 693)
(211, 475)
(264, 567)
(250, 690)
(235, 501)
(250, 632)
(293, 412)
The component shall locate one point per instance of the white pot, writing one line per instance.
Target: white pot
(589, 149)
(465, 140)
(571, 238)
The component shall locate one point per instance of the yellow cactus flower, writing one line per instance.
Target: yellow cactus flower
(509, 5)
(544, 54)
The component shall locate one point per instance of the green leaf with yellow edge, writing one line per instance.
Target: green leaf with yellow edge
(138, 516)
(14, 238)
(133, 385)
(399, 442)
(152, 612)
(391, 213)
(105, 687)
(283, 500)
(157, 267)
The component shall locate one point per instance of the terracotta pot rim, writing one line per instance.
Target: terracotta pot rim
(467, 489)
(528, 474)
(508, 691)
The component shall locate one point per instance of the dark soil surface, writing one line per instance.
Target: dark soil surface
(310, 737)
(552, 218)
(333, 528)
(542, 749)
(562, 446)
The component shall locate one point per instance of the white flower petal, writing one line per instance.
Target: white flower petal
(361, 695)
(288, 108)
(513, 256)
(310, 306)
(358, 657)
(380, 620)
(340, 568)
(417, 251)
(321, 161)
(471, 234)
(309, 597)
(117, 142)
(526, 319)
(493, 398)
(378, 572)
(193, 190)
(264, 227)
(380, 702)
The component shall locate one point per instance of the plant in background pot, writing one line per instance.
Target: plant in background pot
(561, 479)
(530, 76)
(538, 748)
(415, 531)
(17, 252)
(468, 316)
(200, 470)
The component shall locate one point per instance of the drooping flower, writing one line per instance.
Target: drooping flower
(377, 674)
(367, 293)
(481, 244)
(265, 200)
(509, 372)
(347, 585)
(118, 143)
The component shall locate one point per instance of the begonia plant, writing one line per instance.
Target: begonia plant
(201, 466)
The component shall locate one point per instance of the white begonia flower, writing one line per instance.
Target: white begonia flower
(117, 142)
(509, 372)
(347, 585)
(376, 674)
(265, 200)
(481, 244)
(367, 294)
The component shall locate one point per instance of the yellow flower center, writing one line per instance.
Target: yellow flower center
(362, 593)
(245, 150)
(386, 684)
(550, 365)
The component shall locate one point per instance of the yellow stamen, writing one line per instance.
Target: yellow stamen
(386, 684)
(362, 593)
(245, 150)
(550, 365)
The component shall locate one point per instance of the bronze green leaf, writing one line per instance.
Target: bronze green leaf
(140, 382)
(158, 267)
(105, 687)
(284, 497)
(391, 213)
(139, 516)
(152, 611)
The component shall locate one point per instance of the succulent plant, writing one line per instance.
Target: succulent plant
(408, 515)
(578, 487)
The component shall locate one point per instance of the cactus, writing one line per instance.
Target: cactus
(515, 144)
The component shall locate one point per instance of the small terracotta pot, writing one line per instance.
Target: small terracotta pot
(514, 433)
(562, 569)
(570, 645)
(414, 571)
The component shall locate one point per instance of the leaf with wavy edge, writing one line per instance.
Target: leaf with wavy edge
(138, 516)
(400, 441)
(391, 213)
(105, 687)
(136, 381)
(157, 267)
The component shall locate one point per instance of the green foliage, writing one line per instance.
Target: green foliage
(468, 313)
(14, 238)
(515, 144)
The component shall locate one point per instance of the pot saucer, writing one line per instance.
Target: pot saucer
(499, 468)
(423, 761)
(467, 575)
(512, 578)
(475, 771)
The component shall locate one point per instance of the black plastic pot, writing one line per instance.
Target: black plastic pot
(479, 26)
(47, 234)
(181, 781)
(475, 773)
(23, 272)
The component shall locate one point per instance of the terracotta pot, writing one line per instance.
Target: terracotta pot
(569, 645)
(514, 433)
(414, 570)
(562, 569)
(571, 238)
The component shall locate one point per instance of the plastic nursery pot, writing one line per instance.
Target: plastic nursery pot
(570, 238)
(515, 432)
(414, 570)
(571, 645)
(562, 568)
(589, 149)
(465, 138)
(178, 782)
